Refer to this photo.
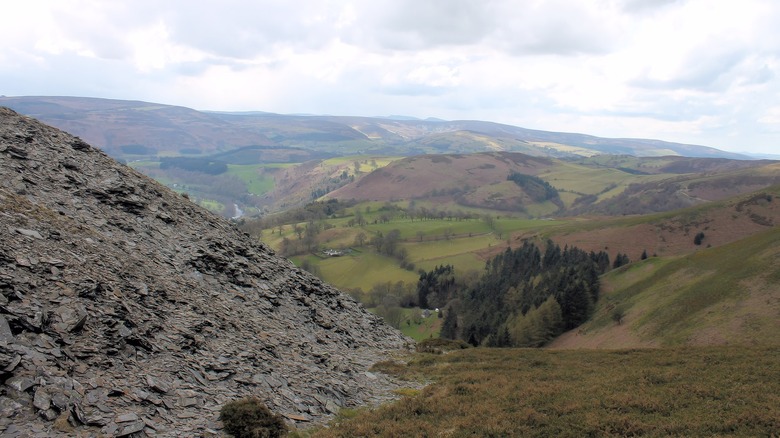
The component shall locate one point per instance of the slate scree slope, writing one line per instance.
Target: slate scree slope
(125, 309)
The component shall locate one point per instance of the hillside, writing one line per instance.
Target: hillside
(689, 182)
(126, 308)
(673, 233)
(449, 176)
(711, 276)
(255, 145)
(122, 128)
(428, 237)
(605, 185)
(726, 295)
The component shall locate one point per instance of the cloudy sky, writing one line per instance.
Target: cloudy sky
(693, 71)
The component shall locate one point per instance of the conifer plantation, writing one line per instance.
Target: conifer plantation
(524, 298)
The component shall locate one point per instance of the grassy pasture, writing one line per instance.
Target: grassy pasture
(433, 250)
(463, 262)
(577, 178)
(436, 229)
(361, 270)
(211, 204)
(716, 391)
(418, 327)
(431, 229)
(365, 267)
(582, 179)
(256, 181)
(365, 161)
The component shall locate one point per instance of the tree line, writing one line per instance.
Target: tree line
(194, 164)
(525, 296)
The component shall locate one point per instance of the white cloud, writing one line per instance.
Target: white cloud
(695, 71)
(771, 118)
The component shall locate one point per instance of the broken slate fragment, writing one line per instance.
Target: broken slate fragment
(29, 233)
(126, 418)
(5, 331)
(157, 384)
(20, 383)
(41, 400)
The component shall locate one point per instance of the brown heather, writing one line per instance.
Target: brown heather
(712, 391)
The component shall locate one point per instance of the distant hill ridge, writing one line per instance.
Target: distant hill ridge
(114, 124)
(125, 308)
(481, 180)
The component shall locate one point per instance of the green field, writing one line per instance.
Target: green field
(430, 229)
(726, 391)
(367, 162)
(429, 243)
(604, 182)
(252, 175)
(210, 204)
(362, 269)
(417, 326)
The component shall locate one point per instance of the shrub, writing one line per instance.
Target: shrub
(390, 367)
(250, 418)
(618, 314)
(439, 345)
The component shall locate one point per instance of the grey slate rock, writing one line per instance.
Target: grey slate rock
(132, 311)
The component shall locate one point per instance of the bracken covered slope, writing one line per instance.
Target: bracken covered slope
(126, 310)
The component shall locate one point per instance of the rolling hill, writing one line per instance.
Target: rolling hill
(606, 185)
(123, 128)
(711, 276)
(673, 233)
(125, 308)
(436, 175)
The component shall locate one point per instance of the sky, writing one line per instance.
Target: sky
(701, 72)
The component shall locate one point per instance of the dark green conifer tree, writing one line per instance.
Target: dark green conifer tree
(449, 327)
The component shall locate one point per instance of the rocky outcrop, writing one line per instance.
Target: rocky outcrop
(126, 310)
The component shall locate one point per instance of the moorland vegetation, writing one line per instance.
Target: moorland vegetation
(693, 392)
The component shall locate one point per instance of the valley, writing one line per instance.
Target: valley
(661, 266)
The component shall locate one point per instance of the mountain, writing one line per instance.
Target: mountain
(127, 309)
(121, 127)
(126, 128)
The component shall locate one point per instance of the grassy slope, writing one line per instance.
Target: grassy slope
(716, 296)
(362, 270)
(671, 233)
(510, 392)
(252, 175)
(593, 180)
(688, 295)
(482, 180)
(418, 327)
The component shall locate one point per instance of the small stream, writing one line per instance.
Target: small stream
(239, 212)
